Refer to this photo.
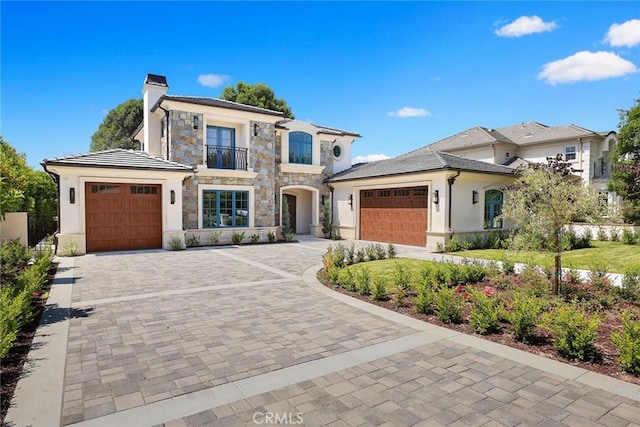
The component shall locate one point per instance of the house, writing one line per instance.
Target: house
(204, 165)
(452, 187)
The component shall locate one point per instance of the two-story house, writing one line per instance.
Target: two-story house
(205, 165)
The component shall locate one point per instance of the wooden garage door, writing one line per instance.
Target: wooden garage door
(396, 215)
(123, 216)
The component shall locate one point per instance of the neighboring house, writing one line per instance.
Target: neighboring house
(533, 142)
(205, 165)
(453, 186)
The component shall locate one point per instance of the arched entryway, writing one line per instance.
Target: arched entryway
(303, 207)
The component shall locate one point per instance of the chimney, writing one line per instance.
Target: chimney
(154, 87)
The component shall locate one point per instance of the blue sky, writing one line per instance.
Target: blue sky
(402, 74)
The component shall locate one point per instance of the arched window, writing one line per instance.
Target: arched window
(300, 148)
(493, 200)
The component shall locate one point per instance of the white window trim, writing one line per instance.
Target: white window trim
(575, 153)
(249, 188)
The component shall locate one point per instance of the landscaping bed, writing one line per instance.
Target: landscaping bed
(403, 290)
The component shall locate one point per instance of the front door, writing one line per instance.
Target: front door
(291, 201)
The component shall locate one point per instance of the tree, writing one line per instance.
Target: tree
(14, 178)
(326, 218)
(286, 218)
(625, 179)
(258, 95)
(543, 201)
(117, 127)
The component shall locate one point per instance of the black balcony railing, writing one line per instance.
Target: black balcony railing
(226, 158)
(601, 169)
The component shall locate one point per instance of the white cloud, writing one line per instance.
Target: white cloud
(586, 66)
(369, 158)
(526, 25)
(409, 112)
(625, 34)
(212, 80)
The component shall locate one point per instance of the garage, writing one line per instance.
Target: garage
(396, 215)
(123, 216)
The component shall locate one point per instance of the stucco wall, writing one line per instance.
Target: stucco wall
(15, 226)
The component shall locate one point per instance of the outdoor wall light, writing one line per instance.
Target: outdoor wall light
(196, 122)
(475, 197)
(256, 129)
(72, 195)
(173, 197)
(351, 201)
(436, 197)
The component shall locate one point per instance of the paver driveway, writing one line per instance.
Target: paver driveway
(245, 336)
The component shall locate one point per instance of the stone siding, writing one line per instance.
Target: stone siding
(186, 143)
(262, 158)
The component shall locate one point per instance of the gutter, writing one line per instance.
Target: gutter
(451, 181)
(166, 115)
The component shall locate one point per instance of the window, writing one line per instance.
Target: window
(221, 147)
(367, 194)
(105, 188)
(225, 208)
(384, 193)
(401, 193)
(570, 152)
(337, 151)
(492, 209)
(421, 191)
(300, 147)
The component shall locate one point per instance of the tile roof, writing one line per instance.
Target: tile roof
(521, 134)
(118, 159)
(422, 162)
(216, 102)
(321, 129)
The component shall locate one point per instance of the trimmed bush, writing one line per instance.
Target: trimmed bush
(378, 289)
(628, 343)
(449, 305)
(628, 237)
(486, 312)
(574, 332)
(525, 315)
(424, 301)
(363, 280)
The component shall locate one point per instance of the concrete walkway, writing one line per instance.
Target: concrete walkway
(247, 336)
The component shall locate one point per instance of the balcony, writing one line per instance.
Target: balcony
(601, 169)
(226, 158)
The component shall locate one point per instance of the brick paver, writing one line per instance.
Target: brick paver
(236, 336)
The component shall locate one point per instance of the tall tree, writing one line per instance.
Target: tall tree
(258, 95)
(542, 203)
(117, 127)
(625, 179)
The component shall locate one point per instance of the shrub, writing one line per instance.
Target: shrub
(628, 343)
(454, 245)
(441, 273)
(14, 257)
(350, 254)
(214, 237)
(614, 234)
(602, 234)
(448, 305)
(360, 254)
(466, 245)
(176, 243)
(401, 276)
(571, 241)
(456, 273)
(474, 270)
(440, 248)
(598, 274)
(237, 238)
(486, 311)
(255, 238)
(508, 266)
(400, 296)
(378, 289)
(524, 315)
(289, 237)
(587, 234)
(574, 332)
(381, 253)
(193, 240)
(477, 241)
(629, 288)
(363, 280)
(424, 301)
(271, 236)
(346, 279)
(391, 251)
(71, 249)
(371, 253)
(628, 237)
(335, 235)
(426, 276)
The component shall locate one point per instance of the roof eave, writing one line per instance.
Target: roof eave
(87, 165)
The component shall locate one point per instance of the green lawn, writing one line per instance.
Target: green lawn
(615, 255)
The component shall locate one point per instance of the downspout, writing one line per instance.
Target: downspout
(450, 181)
(166, 115)
(56, 179)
